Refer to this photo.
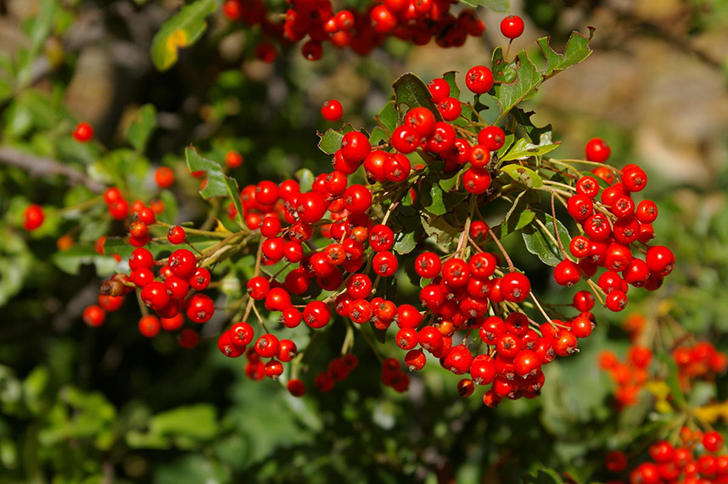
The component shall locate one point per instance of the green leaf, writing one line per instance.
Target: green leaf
(182, 30)
(519, 215)
(412, 91)
(524, 149)
(524, 176)
(450, 79)
(543, 245)
(520, 78)
(534, 133)
(543, 476)
(71, 260)
(305, 179)
(38, 30)
(218, 184)
(142, 127)
(387, 117)
(433, 202)
(404, 242)
(438, 227)
(494, 5)
(331, 140)
(196, 421)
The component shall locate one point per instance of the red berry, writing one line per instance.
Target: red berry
(183, 263)
(83, 132)
(33, 217)
(332, 110)
(479, 79)
(176, 235)
(149, 326)
(233, 159)
(94, 315)
(492, 137)
(512, 26)
(164, 177)
(598, 150)
(355, 146)
(439, 88)
(199, 308)
(267, 346)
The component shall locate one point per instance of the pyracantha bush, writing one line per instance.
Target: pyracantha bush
(418, 204)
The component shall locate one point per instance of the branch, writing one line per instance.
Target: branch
(38, 166)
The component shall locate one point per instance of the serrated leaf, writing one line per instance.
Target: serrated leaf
(534, 133)
(438, 227)
(520, 78)
(218, 184)
(494, 5)
(330, 141)
(142, 127)
(524, 176)
(523, 149)
(412, 91)
(387, 117)
(182, 30)
(452, 82)
(542, 244)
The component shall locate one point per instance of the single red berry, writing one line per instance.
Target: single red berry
(154, 294)
(200, 279)
(164, 177)
(355, 146)
(200, 308)
(267, 345)
(515, 287)
(598, 150)
(33, 217)
(476, 180)
(713, 441)
(183, 263)
(296, 387)
(233, 159)
(421, 120)
(512, 27)
(615, 461)
(83, 132)
(566, 273)
(176, 235)
(492, 137)
(94, 315)
(149, 326)
(428, 265)
(439, 89)
(660, 260)
(258, 288)
(479, 79)
(332, 110)
(405, 139)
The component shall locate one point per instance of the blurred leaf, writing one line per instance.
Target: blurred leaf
(305, 179)
(218, 184)
(15, 264)
(543, 476)
(71, 261)
(38, 29)
(411, 91)
(142, 127)
(542, 244)
(495, 5)
(189, 469)
(197, 421)
(182, 30)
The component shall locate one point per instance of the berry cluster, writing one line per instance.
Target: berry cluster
(314, 22)
(699, 361)
(612, 231)
(630, 376)
(696, 461)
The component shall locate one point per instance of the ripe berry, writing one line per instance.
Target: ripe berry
(267, 346)
(427, 265)
(597, 150)
(439, 89)
(712, 441)
(442, 139)
(616, 300)
(476, 180)
(479, 79)
(450, 109)
(183, 263)
(515, 287)
(176, 235)
(233, 159)
(615, 461)
(277, 299)
(421, 120)
(296, 387)
(94, 315)
(660, 260)
(200, 279)
(149, 326)
(83, 132)
(317, 314)
(200, 308)
(241, 334)
(492, 137)
(355, 146)
(357, 198)
(567, 273)
(512, 27)
(33, 217)
(154, 295)
(385, 264)
(332, 110)
(164, 177)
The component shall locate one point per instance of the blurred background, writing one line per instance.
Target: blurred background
(101, 405)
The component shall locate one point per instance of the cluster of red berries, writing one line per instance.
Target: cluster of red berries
(612, 226)
(699, 361)
(393, 376)
(337, 370)
(630, 376)
(315, 22)
(695, 461)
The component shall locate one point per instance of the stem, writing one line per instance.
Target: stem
(511, 267)
(462, 242)
(556, 228)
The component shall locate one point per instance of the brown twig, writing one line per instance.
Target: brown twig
(40, 166)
